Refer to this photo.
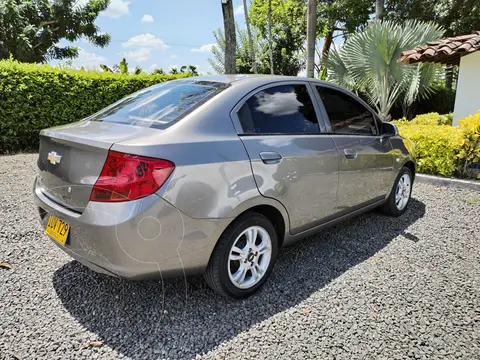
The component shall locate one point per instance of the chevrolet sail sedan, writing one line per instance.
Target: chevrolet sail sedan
(212, 175)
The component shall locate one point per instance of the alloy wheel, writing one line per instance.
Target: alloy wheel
(402, 192)
(249, 257)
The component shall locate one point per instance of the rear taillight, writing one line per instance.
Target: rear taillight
(127, 177)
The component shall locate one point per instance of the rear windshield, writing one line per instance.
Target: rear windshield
(160, 105)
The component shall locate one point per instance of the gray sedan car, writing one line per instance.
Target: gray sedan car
(214, 174)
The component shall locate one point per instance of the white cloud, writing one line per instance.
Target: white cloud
(174, 66)
(147, 18)
(139, 55)
(173, 56)
(146, 41)
(238, 10)
(204, 48)
(116, 9)
(278, 104)
(88, 60)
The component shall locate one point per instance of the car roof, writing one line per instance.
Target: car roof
(257, 78)
(252, 81)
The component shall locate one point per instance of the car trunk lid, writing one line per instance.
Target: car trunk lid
(71, 158)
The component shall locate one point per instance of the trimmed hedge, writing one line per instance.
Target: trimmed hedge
(34, 97)
(442, 149)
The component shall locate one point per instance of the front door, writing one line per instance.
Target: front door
(292, 160)
(365, 158)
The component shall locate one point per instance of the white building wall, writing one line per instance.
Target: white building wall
(467, 99)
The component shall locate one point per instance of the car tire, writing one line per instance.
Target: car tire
(400, 195)
(239, 274)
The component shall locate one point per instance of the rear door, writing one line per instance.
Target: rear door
(293, 161)
(365, 159)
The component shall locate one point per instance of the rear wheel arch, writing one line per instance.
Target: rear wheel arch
(275, 217)
(411, 166)
(273, 214)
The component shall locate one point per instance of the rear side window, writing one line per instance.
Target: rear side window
(284, 109)
(160, 105)
(347, 115)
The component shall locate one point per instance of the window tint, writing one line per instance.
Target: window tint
(346, 115)
(285, 109)
(160, 105)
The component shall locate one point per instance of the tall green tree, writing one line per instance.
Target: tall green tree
(288, 32)
(340, 18)
(270, 39)
(457, 17)
(243, 62)
(250, 37)
(311, 36)
(367, 63)
(30, 31)
(289, 26)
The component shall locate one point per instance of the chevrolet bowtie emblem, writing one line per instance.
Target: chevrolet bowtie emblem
(54, 158)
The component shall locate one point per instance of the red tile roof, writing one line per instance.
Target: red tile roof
(445, 51)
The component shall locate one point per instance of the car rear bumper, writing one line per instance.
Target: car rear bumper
(146, 238)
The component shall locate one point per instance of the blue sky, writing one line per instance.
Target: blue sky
(157, 33)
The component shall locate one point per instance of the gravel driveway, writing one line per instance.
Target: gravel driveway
(374, 287)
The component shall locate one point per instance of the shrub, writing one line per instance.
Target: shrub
(33, 97)
(436, 146)
(469, 155)
(433, 119)
(441, 149)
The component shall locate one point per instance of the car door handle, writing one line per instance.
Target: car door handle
(350, 154)
(270, 157)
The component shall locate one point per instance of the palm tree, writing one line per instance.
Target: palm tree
(105, 68)
(250, 38)
(311, 36)
(189, 69)
(138, 70)
(230, 41)
(367, 63)
(123, 67)
(193, 70)
(120, 68)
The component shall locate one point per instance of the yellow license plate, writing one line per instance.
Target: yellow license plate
(57, 229)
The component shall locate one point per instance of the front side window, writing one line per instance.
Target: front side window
(283, 109)
(160, 105)
(347, 115)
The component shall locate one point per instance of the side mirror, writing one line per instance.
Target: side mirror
(389, 129)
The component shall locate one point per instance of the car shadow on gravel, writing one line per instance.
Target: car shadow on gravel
(179, 318)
